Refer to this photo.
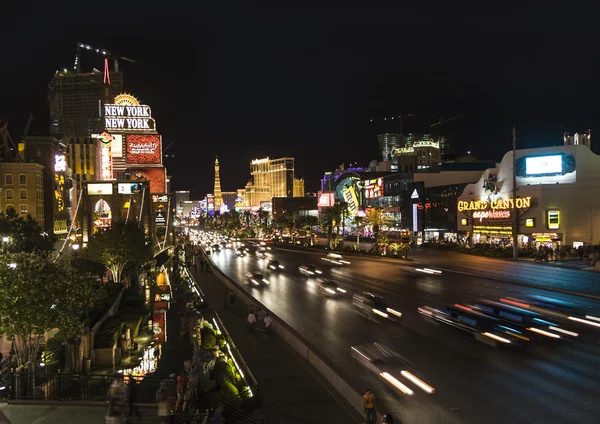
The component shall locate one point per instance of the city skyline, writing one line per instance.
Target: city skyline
(322, 117)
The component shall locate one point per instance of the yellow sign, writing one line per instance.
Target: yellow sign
(554, 219)
(350, 197)
(530, 222)
(481, 205)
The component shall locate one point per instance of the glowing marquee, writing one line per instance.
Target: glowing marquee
(493, 214)
(482, 205)
(106, 170)
(127, 114)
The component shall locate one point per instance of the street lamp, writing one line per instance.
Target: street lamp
(75, 246)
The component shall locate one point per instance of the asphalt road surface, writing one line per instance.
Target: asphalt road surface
(474, 383)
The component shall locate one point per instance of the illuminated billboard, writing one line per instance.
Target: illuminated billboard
(326, 199)
(60, 163)
(373, 188)
(143, 149)
(127, 114)
(129, 188)
(156, 176)
(100, 188)
(544, 165)
(350, 198)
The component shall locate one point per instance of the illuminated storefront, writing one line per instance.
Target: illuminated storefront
(556, 201)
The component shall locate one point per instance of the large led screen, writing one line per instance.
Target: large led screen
(143, 149)
(542, 165)
(156, 176)
(99, 189)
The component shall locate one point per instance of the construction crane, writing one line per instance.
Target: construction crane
(107, 55)
(442, 121)
(400, 119)
(7, 145)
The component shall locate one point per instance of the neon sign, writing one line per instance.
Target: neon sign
(60, 163)
(482, 205)
(127, 114)
(374, 188)
(493, 214)
(106, 170)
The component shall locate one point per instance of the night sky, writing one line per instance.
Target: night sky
(248, 82)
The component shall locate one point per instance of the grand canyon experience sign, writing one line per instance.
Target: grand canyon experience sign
(494, 209)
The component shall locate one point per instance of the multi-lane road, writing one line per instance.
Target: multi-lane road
(550, 383)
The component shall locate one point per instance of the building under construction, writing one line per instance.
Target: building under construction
(76, 101)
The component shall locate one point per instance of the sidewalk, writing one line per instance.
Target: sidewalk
(290, 391)
(53, 413)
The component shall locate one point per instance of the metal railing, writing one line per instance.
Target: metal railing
(76, 387)
(238, 359)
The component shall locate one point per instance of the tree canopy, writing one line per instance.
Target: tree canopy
(121, 244)
(39, 295)
(24, 234)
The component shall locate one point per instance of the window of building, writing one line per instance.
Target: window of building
(8, 179)
(23, 194)
(22, 179)
(9, 207)
(23, 209)
(9, 194)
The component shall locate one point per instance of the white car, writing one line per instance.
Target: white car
(335, 259)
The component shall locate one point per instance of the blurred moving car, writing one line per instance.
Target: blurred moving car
(389, 365)
(309, 270)
(261, 255)
(335, 259)
(374, 307)
(216, 248)
(526, 321)
(257, 279)
(556, 309)
(484, 328)
(240, 252)
(274, 265)
(330, 288)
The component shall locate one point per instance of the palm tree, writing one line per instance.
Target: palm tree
(341, 210)
(247, 217)
(376, 220)
(360, 224)
(328, 218)
(263, 216)
(308, 222)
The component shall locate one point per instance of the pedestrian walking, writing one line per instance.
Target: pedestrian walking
(369, 404)
(117, 397)
(251, 321)
(268, 325)
(182, 386)
(163, 397)
(132, 398)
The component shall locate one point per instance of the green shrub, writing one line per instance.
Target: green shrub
(221, 341)
(208, 341)
(110, 333)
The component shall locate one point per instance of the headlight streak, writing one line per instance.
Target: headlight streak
(424, 386)
(397, 384)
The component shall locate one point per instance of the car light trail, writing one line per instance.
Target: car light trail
(361, 354)
(397, 384)
(493, 336)
(432, 271)
(328, 290)
(378, 312)
(544, 333)
(562, 330)
(424, 386)
(585, 321)
(393, 312)
(341, 290)
(592, 318)
(425, 311)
